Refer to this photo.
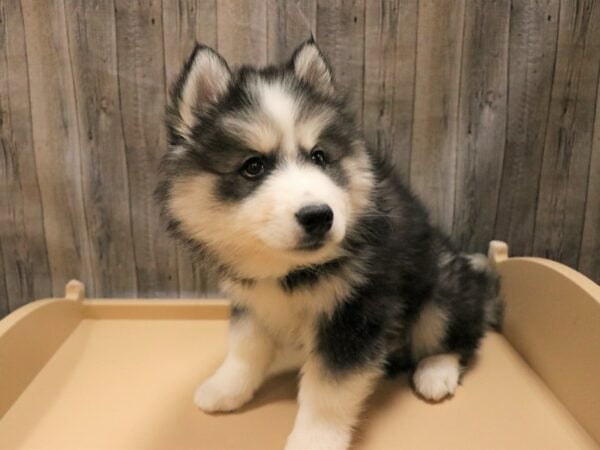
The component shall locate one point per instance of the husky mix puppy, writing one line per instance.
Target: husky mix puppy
(329, 260)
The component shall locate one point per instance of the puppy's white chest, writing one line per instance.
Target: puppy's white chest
(288, 318)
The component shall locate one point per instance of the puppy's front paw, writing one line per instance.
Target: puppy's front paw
(437, 376)
(319, 438)
(217, 394)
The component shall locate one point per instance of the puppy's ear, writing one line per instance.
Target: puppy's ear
(203, 80)
(310, 66)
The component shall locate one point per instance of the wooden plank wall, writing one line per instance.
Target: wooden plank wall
(489, 109)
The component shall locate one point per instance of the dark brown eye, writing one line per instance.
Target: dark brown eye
(318, 157)
(253, 168)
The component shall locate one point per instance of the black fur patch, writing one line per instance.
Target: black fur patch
(237, 311)
(354, 336)
(306, 277)
(337, 173)
(233, 187)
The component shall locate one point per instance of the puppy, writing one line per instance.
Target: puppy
(328, 258)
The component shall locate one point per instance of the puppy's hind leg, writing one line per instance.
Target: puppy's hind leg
(437, 373)
(234, 383)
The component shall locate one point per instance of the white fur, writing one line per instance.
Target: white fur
(178, 151)
(428, 331)
(359, 187)
(287, 359)
(289, 316)
(249, 356)
(329, 407)
(281, 108)
(479, 262)
(271, 210)
(437, 376)
(283, 317)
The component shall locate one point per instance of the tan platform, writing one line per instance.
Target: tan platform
(119, 374)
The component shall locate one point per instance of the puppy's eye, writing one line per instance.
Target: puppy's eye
(318, 156)
(253, 168)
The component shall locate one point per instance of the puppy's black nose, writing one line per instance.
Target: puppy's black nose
(315, 219)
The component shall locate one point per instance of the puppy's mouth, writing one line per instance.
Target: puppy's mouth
(309, 244)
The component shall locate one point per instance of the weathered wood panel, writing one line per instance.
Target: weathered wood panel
(341, 36)
(4, 306)
(23, 254)
(532, 54)
(57, 146)
(388, 95)
(568, 143)
(481, 123)
(246, 18)
(487, 108)
(141, 77)
(289, 22)
(435, 120)
(104, 177)
(186, 22)
(589, 252)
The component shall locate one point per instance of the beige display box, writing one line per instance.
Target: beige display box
(79, 373)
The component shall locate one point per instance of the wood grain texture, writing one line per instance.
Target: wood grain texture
(568, 143)
(56, 142)
(341, 36)
(105, 189)
(23, 253)
(437, 92)
(186, 22)
(247, 18)
(141, 77)
(488, 108)
(589, 252)
(388, 95)
(289, 22)
(4, 306)
(532, 55)
(481, 123)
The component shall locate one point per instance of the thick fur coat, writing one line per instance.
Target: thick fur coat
(330, 261)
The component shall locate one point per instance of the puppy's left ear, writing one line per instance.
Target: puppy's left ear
(204, 79)
(310, 66)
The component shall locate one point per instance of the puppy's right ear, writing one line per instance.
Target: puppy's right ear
(203, 80)
(309, 64)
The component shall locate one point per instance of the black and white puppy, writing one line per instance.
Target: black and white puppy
(328, 258)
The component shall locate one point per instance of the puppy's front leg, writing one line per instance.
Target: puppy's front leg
(249, 355)
(330, 404)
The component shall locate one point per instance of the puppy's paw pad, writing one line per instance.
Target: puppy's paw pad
(215, 396)
(437, 376)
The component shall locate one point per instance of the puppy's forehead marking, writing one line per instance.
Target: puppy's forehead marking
(281, 121)
(281, 108)
(309, 129)
(256, 130)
